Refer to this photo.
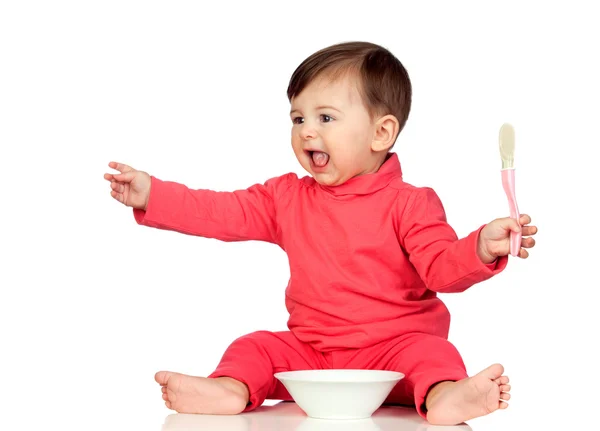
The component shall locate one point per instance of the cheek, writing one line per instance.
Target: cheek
(343, 158)
(295, 139)
(350, 143)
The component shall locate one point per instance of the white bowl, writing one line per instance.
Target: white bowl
(339, 394)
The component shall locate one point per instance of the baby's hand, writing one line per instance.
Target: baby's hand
(494, 238)
(130, 187)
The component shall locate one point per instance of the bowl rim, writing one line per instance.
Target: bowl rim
(384, 375)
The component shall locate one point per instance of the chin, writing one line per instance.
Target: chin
(326, 180)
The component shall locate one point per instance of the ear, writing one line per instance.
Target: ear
(386, 130)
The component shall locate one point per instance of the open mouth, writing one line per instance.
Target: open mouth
(319, 158)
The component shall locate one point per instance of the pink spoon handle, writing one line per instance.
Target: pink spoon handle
(508, 182)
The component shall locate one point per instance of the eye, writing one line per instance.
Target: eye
(297, 120)
(326, 118)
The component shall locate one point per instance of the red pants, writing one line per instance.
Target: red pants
(423, 359)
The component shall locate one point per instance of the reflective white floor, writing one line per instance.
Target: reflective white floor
(287, 416)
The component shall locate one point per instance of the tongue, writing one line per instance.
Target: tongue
(320, 159)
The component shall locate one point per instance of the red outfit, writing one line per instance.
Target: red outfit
(366, 260)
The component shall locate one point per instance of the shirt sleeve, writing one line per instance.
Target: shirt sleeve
(241, 215)
(445, 263)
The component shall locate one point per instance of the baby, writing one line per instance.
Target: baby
(368, 252)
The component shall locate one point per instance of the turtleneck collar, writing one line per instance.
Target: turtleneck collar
(368, 183)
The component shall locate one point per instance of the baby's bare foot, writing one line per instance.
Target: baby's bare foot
(452, 403)
(190, 394)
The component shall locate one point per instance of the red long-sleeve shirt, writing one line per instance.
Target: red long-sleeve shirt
(366, 257)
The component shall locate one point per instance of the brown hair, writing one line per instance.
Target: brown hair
(383, 81)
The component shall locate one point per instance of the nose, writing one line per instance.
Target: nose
(307, 131)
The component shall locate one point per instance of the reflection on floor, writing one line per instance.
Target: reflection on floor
(288, 416)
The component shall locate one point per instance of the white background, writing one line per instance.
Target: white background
(92, 305)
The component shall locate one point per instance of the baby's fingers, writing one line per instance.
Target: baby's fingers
(117, 187)
(118, 196)
(529, 230)
(524, 219)
(126, 177)
(527, 242)
(121, 167)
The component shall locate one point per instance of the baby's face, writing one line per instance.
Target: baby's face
(332, 132)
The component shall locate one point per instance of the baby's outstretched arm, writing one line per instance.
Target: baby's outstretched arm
(130, 187)
(241, 215)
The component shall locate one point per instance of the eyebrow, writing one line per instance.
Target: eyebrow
(319, 107)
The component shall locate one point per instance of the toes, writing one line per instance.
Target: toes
(493, 372)
(504, 388)
(168, 404)
(502, 380)
(165, 397)
(164, 389)
(162, 377)
(502, 405)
